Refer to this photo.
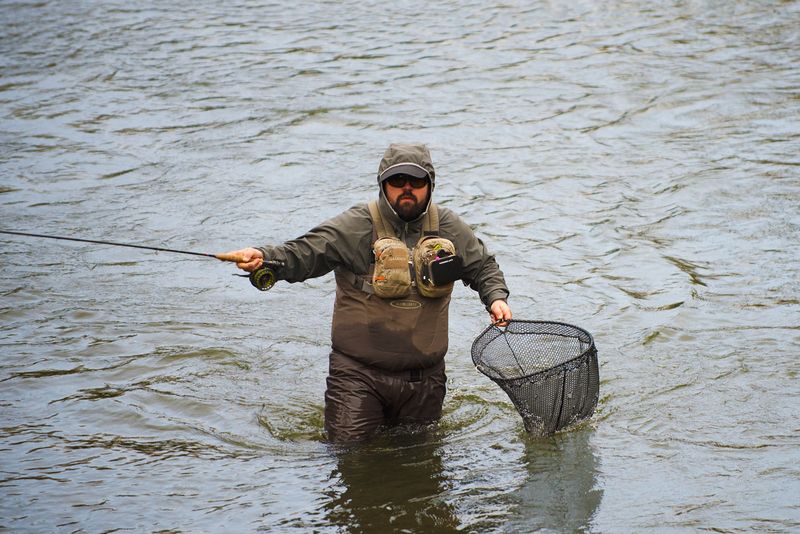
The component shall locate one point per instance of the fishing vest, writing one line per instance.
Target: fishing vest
(396, 333)
(397, 269)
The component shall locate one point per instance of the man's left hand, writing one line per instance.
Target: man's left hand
(500, 312)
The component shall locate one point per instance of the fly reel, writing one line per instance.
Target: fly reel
(263, 278)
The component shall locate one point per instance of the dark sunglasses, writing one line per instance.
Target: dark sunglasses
(400, 180)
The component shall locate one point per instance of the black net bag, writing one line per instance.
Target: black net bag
(548, 369)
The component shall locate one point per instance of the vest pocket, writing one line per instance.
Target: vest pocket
(428, 250)
(392, 277)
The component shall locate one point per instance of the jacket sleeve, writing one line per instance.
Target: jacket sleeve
(343, 241)
(481, 271)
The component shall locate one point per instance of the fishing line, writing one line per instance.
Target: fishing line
(98, 242)
(262, 278)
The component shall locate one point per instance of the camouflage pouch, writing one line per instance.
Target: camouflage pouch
(428, 254)
(392, 276)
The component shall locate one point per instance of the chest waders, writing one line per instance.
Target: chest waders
(389, 340)
(389, 317)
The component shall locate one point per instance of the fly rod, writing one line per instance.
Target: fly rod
(262, 278)
(98, 242)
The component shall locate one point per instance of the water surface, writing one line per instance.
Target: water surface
(634, 166)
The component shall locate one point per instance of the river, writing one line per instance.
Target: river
(633, 165)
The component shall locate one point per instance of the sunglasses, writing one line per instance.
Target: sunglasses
(400, 180)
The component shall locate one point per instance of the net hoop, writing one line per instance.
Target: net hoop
(548, 369)
(501, 330)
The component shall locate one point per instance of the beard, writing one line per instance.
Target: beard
(408, 211)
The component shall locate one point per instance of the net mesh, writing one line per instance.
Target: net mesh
(548, 369)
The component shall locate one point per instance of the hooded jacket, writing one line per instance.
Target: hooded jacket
(391, 334)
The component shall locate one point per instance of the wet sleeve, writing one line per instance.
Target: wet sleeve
(343, 241)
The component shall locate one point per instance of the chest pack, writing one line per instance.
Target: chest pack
(432, 265)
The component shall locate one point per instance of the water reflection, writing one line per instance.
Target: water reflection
(395, 484)
(560, 492)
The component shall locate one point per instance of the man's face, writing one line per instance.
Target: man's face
(407, 195)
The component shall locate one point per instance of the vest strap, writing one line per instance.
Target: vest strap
(381, 226)
(357, 281)
(430, 225)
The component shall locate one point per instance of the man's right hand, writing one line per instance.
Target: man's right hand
(247, 259)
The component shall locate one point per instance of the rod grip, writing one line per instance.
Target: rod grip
(228, 256)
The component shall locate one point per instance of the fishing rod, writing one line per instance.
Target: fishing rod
(262, 278)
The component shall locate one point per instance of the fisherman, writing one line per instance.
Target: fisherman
(395, 262)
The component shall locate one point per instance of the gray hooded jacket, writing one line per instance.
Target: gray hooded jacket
(392, 334)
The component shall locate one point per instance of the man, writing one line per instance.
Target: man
(390, 329)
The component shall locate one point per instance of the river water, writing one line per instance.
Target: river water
(633, 165)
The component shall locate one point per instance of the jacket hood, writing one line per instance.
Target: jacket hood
(414, 159)
(401, 158)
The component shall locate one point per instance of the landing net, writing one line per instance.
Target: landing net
(548, 369)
